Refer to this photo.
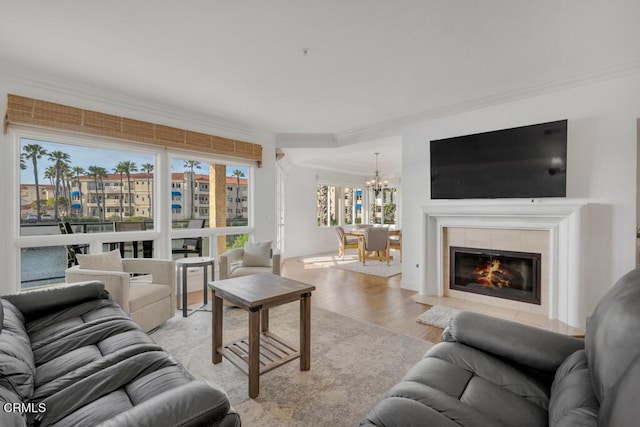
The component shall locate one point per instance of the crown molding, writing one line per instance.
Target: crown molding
(93, 97)
(540, 88)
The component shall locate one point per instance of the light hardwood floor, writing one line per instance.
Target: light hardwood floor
(376, 300)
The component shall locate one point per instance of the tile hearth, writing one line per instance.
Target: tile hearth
(524, 317)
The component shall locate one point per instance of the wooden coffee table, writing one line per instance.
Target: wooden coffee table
(262, 350)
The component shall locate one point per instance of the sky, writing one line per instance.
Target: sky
(87, 156)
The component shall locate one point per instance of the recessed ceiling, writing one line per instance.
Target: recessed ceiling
(356, 159)
(369, 61)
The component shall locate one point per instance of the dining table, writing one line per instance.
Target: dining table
(359, 234)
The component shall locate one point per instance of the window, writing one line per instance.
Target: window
(352, 205)
(84, 185)
(95, 184)
(382, 206)
(193, 176)
(327, 209)
(74, 183)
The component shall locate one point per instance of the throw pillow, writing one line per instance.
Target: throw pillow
(257, 254)
(110, 261)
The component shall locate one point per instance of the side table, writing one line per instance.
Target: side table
(182, 265)
(262, 350)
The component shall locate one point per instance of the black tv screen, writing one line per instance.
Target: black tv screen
(523, 162)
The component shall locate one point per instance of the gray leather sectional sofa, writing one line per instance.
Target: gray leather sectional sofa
(70, 356)
(492, 372)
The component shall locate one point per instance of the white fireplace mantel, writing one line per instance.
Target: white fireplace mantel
(564, 221)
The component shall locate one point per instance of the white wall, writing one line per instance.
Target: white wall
(263, 197)
(601, 168)
(302, 234)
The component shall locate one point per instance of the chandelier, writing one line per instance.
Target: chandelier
(376, 183)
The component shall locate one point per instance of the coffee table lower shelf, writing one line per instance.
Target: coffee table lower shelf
(274, 352)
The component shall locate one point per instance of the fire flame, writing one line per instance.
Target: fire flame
(491, 275)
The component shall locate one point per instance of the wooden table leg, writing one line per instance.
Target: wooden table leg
(216, 328)
(254, 353)
(305, 332)
(264, 320)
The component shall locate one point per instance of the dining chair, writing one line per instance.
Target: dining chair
(345, 242)
(375, 244)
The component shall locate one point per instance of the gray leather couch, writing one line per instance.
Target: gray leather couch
(492, 372)
(70, 356)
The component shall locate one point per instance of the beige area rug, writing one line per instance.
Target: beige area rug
(353, 364)
(351, 263)
(437, 315)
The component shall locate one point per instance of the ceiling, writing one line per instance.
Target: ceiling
(356, 159)
(368, 62)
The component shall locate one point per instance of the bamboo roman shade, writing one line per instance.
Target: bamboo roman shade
(34, 112)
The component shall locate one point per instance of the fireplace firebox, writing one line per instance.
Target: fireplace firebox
(501, 274)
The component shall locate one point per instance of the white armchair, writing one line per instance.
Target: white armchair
(234, 263)
(148, 299)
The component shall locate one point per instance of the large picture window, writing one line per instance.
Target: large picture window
(72, 185)
(84, 189)
(84, 185)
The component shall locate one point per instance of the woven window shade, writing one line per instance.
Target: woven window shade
(34, 112)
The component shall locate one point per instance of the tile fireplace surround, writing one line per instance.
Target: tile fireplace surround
(561, 224)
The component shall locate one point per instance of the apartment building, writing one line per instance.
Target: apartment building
(189, 197)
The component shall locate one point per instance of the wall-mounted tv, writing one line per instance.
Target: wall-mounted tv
(522, 162)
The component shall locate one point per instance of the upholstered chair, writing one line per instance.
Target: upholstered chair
(375, 244)
(148, 298)
(345, 242)
(255, 257)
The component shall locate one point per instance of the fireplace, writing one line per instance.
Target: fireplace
(501, 274)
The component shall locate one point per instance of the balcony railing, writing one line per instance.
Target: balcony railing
(43, 265)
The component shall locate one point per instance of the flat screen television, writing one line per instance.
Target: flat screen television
(523, 162)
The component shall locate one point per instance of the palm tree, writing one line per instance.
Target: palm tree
(23, 162)
(191, 164)
(129, 167)
(238, 174)
(50, 174)
(97, 173)
(60, 160)
(148, 168)
(120, 169)
(79, 170)
(68, 178)
(35, 153)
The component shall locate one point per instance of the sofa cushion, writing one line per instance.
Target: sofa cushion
(109, 261)
(572, 399)
(468, 387)
(621, 408)
(257, 254)
(17, 365)
(610, 339)
(144, 294)
(240, 270)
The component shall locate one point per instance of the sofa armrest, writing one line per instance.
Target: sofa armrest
(117, 283)
(38, 302)
(225, 260)
(195, 403)
(162, 270)
(528, 346)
